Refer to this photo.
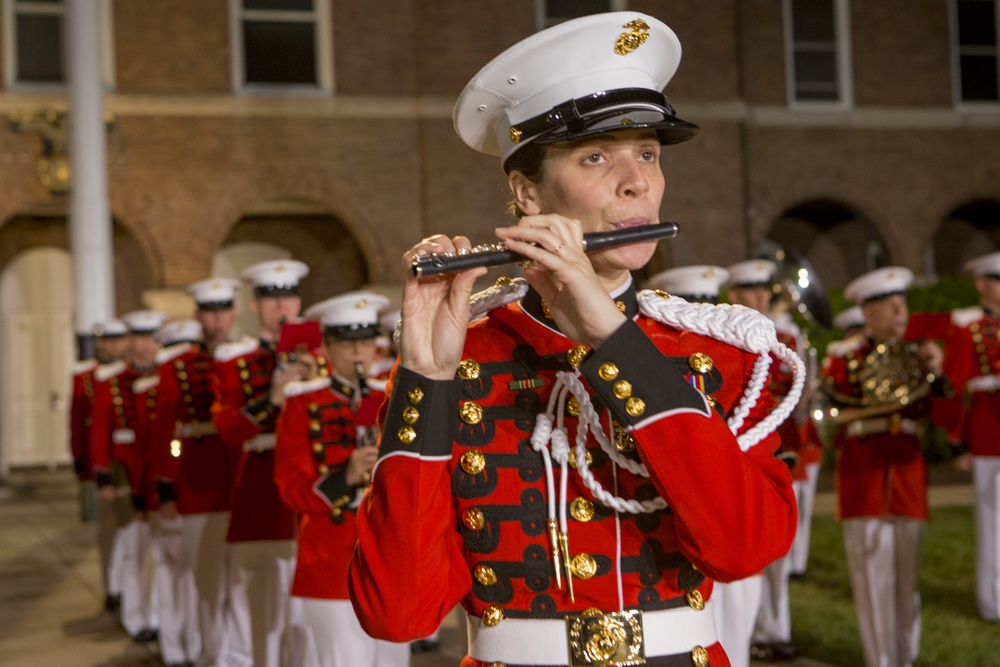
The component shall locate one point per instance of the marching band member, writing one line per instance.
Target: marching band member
(578, 465)
(879, 386)
(118, 448)
(972, 363)
(326, 437)
(249, 393)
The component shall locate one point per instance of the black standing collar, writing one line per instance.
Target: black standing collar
(624, 298)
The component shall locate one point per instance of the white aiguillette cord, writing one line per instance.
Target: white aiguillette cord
(741, 327)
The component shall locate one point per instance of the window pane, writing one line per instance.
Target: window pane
(39, 48)
(279, 52)
(976, 24)
(280, 5)
(815, 67)
(813, 21)
(979, 79)
(568, 9)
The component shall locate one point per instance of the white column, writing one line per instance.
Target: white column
(89, 214)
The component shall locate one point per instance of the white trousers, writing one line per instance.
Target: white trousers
(883, 559)
(340, 641)
(205, 543)
(774, 621)
(736, 605)
(176, 600)
(986, 481)
(260, 607)
(135, 547)
(805, 495)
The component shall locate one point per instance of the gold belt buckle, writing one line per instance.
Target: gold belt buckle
(605, 640)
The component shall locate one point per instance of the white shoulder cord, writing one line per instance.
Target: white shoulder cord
(741, 327)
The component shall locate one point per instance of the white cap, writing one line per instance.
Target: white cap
(214, 293)
(276, 277)
(110, 329)
(582, 77)
(879, 284)
(694, 283)
(177, 331)
(350, 316)
(144, 321)
(849, 317)
(752, 273)
(986, 265)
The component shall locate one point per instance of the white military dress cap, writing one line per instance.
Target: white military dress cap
(752, 273)
(278, 276)
(178, 331)
(144, 321)
(585, 76)
(389, 319)
(986, 265)
(350, 315)
(110, 329)
(849, 317)
(214, 291)
(697, 282)
(879, 284)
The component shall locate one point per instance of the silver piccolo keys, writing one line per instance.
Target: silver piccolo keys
(495, 254)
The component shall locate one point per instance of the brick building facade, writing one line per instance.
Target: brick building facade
(349, 174)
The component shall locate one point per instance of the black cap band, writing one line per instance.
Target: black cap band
(351, 331)
(883, 295)
(215, 305)
(275, 290)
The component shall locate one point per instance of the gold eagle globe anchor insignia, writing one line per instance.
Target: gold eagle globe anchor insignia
(597, 639)
(628, 42)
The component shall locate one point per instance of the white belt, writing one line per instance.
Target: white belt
(893, 424)
(259, 443)
(983, 383)
(518, 641)
(123, 436)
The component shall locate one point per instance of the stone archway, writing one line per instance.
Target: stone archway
(836, 240)
(297, 230)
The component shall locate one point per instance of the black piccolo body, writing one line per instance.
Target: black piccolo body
(496, 254)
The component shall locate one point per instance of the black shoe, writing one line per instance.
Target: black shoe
(784, 651)
(145, 636)
(112, 602)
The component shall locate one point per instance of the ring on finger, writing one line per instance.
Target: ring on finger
(559, 247)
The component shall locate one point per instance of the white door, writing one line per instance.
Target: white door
(36, 357)
(229, 262)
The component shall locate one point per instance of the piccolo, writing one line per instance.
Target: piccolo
(495, 254)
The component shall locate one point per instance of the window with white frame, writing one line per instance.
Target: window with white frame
(817, 52)
(281, 44)
(34, 38)
(551, 12)
(975, 24)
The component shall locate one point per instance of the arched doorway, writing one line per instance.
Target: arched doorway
(36, 354)
(970, 231)
(296, 230)
(837, 241)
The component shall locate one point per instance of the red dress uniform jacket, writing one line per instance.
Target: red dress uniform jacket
(781, 385)
(245, 420)
(116, 432)
(457, 508)
(80, 411)
(146, 392)
(972, 363)
(193, 466)
(879, 474)
(316, 435)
